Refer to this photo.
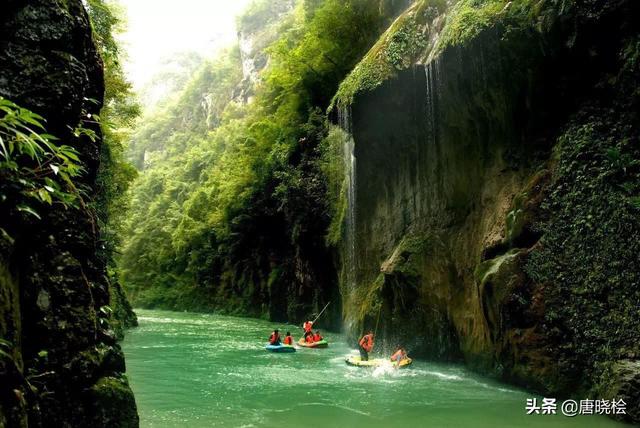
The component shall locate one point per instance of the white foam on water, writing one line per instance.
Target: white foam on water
(444, 376)
(386, 369)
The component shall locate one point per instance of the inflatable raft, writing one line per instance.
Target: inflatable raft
(280, 348)
(376, 362)
(321, 344)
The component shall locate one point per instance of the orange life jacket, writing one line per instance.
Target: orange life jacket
(367, 342)
(309, 338)
(317, 338)
(397, 355)
(307, 326)
(288, 340)
(274, 338)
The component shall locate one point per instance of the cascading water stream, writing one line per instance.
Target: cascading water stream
(431, 74)
(349, 159)
(431, 171)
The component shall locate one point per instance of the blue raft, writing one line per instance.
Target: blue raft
(280, 348)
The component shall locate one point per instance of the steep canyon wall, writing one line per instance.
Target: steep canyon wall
(471, 176)
(64, 368)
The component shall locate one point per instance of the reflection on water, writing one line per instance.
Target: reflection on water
(201, 370)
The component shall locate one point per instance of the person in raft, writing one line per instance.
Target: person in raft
(399, 355)
(366, 345)
(307, 326)
(317, 337)
(288, 340)
(274, 339)
(309, 338)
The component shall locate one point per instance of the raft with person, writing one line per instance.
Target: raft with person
(399, 359)
(357, 361)
(275, 345)
(280, 348)
(319, 344)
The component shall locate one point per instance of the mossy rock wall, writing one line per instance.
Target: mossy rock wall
(437, 160)
(458, 212)
(53, 286)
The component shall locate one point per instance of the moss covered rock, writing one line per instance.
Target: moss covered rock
(509, 142)
(53, 286)
(112, 403)
(122, 315)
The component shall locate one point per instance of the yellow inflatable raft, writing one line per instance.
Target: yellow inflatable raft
(377, 362)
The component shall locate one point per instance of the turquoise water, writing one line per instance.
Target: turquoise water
(196, 370)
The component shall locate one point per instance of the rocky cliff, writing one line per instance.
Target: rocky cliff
(493, 191)
(63, 366)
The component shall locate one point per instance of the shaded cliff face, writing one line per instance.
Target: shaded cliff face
(66, 368)
(489, 189)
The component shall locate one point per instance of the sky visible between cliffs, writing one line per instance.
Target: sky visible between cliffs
(158, 29)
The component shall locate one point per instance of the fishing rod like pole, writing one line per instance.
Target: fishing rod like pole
(375, 332)
(323, 309)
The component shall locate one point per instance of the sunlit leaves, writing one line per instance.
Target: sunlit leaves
(119, 113)
(34, 169)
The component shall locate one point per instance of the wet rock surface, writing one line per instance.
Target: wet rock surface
(53, 284)
(467, 212)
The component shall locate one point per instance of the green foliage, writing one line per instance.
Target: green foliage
(34, 170)
(221, 201)
(171, 76)
(396, 50)
(405, 44)
(197, 109)
(468, 18)
(6, 349)
(117, 117)
(170, 205)
(407, 40)
(331, 163)
(590, 243)
(261, 13)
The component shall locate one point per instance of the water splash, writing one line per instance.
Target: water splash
(386, 369)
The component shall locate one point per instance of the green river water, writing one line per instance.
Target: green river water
(197, 370)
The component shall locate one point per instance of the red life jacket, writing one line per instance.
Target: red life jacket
(309, 338)
(317, 338)
(274, 338)
(367, 342)
(287, 340)
(307, 326)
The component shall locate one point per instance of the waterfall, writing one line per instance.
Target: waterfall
(432, 170)
(349, 159)
(433, 92)
(350, 218)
